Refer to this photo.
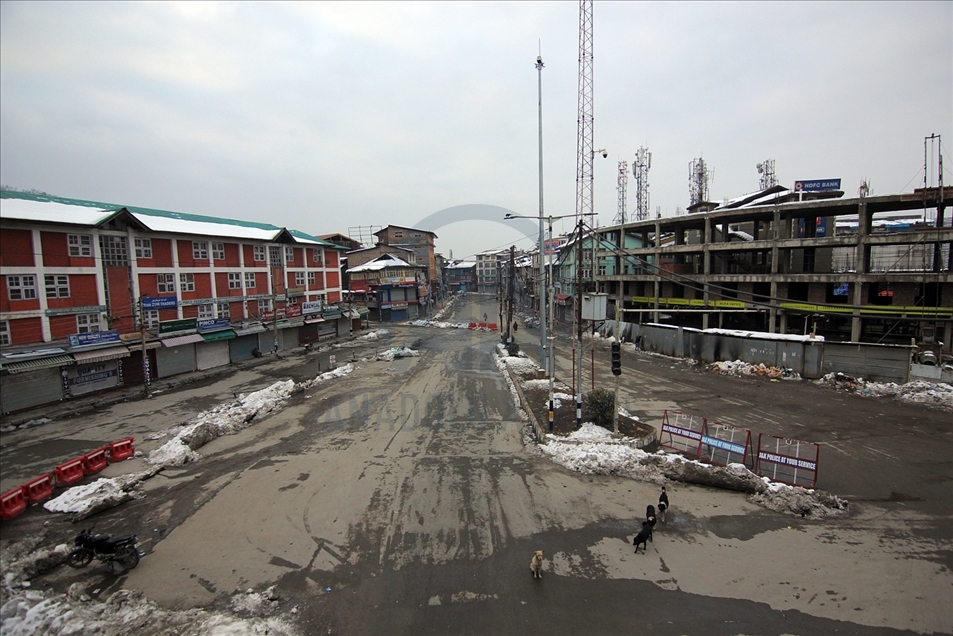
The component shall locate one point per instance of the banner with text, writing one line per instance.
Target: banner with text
(790, 461)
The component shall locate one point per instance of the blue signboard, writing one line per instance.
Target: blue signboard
(817, 185)
(213, 324)
(731, 447)
(159, 302)
(97, 337)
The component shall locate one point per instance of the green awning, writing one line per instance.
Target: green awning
(225, 334)
(332, 315)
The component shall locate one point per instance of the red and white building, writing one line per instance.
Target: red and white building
(80, 280)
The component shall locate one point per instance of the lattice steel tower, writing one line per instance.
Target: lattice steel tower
(698, 177)
(766, 170)
(640, 170)
(622, 187)
(584, 153)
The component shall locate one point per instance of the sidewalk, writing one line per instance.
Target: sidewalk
(85, 403)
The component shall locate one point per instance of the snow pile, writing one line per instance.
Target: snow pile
(501, 364)
(373, 335)
(737, 367)
(397, 352)
(125, 612)
(221, 420)
(592, 450)
(800, 501)
(520, 365)
(340, 372)
(438, 324)
(87, 499)
(22, 560)
(934, 394)
(28, 424)
(447, 309)
(255, 603)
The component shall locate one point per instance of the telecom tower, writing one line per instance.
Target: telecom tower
(698, 177)
(623, 185)
(584, 151)
(640, 170)
(766, 170)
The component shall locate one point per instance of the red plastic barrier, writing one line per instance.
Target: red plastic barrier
(12, 503)
(492, 326)
(39, 490)
(481, 325)
(121, 450)
(70, 472)
(95, 461)
(473, 325)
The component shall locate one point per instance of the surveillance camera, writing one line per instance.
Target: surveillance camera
(604, 154)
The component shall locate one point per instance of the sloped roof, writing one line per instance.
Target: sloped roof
(381, 262)
(52, 209)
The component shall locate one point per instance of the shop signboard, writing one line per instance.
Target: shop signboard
(159, 302)
(94, 338)
(183, 326)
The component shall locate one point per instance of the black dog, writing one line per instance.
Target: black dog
(650, 519)
(642, 537)
(662, 504)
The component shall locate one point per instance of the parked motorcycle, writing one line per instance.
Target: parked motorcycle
(121, 551)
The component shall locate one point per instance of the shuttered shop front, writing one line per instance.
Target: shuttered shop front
(25, 390)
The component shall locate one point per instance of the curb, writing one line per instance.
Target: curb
(540, 433)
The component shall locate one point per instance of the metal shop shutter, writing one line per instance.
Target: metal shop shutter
(241, 348)
(24, 390)
(174, 360)
(209, 355)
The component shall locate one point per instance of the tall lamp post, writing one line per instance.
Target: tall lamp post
(543, 351)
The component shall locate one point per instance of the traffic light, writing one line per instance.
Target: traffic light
(616, 359)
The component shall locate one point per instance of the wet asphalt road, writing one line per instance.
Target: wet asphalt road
(407, 490)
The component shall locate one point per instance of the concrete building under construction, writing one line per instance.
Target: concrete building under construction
(866, 269)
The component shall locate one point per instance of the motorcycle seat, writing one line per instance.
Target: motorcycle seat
(118, 541)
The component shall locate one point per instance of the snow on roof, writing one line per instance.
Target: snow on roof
(461, 265)
(53, 212)
(52, 209)
(379, 263)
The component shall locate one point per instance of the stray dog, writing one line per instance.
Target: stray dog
(650, 519)
(642, 537)
(536, 564)
(662, 504)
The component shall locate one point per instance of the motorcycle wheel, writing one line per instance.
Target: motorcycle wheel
(128, 557)
(79, 558)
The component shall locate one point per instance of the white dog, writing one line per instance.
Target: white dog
(536, 565)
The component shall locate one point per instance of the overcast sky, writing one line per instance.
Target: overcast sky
(321, 117)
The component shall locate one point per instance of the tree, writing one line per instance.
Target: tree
(600, 407)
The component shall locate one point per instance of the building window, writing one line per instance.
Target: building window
(316, 257)
(200, 250)
(602, 270)
(187, 282)
(274, 255)
(224, 310)
(143, 248)
(293, 300)
(115, 251)
(206, 312)
(57, 285)
(299, 279)
(21, 287)
(166, 283)
(4, 332)
(264, 305)
(250, 280)
(152, 319)
(80, 244)
(311, 278)
(87, 323)
(218, 251)
(235, 280)
(260, 253)
(289, 254)
(398, 235)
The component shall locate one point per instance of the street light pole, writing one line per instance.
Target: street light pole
(544, 353)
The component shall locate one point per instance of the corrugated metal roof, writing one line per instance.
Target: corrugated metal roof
(36, 365)
(183, 340)
(248, 331)
(101, 355)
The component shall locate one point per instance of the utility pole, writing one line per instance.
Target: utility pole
(146, 377)
(579, 329)
(509, 298)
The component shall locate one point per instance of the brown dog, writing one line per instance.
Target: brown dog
(536, 564)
